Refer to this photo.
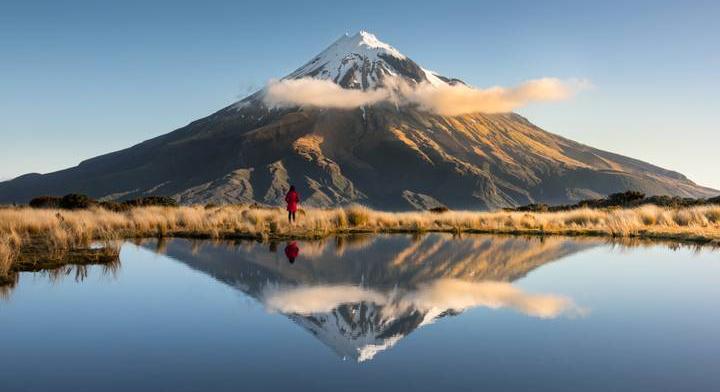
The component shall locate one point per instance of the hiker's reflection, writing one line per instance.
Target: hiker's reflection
(292, 251)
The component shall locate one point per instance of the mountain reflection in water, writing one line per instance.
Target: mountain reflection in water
(360, 295)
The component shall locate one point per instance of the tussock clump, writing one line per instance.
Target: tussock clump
(9, 245)
(358, 216)
(713, 215)
(648, 216)
(341, 219)
(581, 218)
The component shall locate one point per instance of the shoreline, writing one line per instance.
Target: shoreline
(57, 232)
(644, 235)
(40, 258)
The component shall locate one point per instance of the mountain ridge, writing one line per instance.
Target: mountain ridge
(381, 154)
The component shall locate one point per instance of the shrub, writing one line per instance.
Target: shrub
(439, 210)
(76, 201)
(45, 202)
(162, 201)
(533, 208)
(148, 201)
(71, 201)
(624, 198)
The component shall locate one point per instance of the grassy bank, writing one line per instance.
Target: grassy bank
(60, 230)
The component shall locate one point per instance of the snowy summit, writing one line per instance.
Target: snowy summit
(362, 61)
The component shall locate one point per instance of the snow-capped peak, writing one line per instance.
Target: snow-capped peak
(369, 40)
(362, 61)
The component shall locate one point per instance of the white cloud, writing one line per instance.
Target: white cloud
(461, 99)
(320, 93)
(443, 99)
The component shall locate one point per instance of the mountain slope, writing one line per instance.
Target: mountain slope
(382, 155)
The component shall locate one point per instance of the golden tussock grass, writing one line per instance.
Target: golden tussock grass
(59, 229)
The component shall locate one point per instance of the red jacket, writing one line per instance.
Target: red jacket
(292, 199)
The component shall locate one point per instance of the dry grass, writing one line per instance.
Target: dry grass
(10, 243)
(68, 229)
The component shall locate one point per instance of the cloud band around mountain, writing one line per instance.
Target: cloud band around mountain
(443, 99)
(443, 294)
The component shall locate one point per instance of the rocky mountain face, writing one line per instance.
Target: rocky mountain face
(382, 155)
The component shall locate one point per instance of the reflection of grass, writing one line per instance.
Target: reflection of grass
(59, 264)
(59, 230)
(39, 254)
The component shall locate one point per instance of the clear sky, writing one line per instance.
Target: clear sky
(82, 78)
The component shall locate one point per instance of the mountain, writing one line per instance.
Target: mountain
(381, 154)
(363, 297)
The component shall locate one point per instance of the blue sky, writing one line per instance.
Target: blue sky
(78, 79)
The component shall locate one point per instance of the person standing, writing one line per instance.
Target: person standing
(292, 199)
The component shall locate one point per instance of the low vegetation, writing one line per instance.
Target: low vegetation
(22, 228)
(627, 199)
(76, 201)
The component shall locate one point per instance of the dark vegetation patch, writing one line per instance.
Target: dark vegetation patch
(628, 199)
(75, 201)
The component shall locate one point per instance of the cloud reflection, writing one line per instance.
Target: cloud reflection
(432, 298)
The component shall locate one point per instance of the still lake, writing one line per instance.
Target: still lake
(379, 313)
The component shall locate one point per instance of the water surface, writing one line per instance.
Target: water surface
(381, 313)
